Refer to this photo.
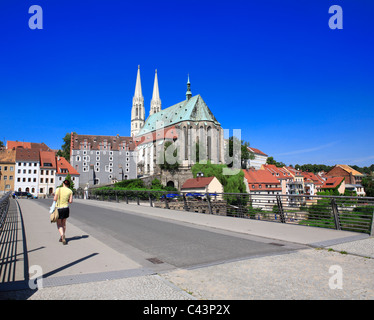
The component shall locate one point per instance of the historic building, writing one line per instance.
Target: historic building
(35, 168)
(189, 125)
(102, 160)
(7, 170)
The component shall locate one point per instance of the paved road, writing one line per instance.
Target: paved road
(97, 265)
(175, 244)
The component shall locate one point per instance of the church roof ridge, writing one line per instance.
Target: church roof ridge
(193, 109)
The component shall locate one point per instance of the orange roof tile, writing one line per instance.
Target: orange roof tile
(258, 180)
(256, 151)
(279, 173)
(200, 182)
(47, 160)
(350, 170)
(27, 145)
(62, 164)
(332, 182)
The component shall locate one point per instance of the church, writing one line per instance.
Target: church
(189, 125)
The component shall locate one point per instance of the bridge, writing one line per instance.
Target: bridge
(119, 250)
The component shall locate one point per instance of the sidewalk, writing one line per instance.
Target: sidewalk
(92, 270)
(85, 261)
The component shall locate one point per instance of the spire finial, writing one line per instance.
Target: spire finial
(188, 93)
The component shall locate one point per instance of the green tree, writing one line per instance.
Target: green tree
(271, 160)
(230, 183)
(65, 148)
(368, 184)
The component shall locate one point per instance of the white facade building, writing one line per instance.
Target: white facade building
(27, 171)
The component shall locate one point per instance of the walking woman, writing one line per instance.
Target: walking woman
(63, 197)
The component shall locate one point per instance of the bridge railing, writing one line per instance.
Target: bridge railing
(4, 206)
(335, 212)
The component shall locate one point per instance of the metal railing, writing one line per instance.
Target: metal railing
(4, 206)
(335, 212)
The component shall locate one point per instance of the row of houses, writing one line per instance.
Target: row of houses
(33, 168)
(268, 181)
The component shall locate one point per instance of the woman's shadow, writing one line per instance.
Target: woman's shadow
(84, 236)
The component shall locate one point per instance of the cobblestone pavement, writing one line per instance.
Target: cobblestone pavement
(150, 287)
(304, 274)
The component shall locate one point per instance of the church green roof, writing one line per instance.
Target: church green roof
(194, 109)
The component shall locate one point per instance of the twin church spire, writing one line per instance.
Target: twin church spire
(138, 110)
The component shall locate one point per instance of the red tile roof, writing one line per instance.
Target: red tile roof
(258, 180)
(27, 145)
(200, 182)
(332, 182)
(279, 173)
(256, 151)
(47, 160)
(27, 155)
(62, 164)
(311, 176)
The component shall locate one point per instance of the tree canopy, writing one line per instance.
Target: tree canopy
(230, 183)
(65, 148)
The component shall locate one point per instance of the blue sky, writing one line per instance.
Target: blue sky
(299, 91)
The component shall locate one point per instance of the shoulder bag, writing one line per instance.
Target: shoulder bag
(54, 215)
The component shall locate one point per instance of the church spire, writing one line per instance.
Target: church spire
(188, 93)
(137, 111)
(156, 101)
(138, 86)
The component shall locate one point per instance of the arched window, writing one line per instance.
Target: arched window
(170, 184)
(185, 137)
(209, 144)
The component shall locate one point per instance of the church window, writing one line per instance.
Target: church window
(185, 143)
(209, 143)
